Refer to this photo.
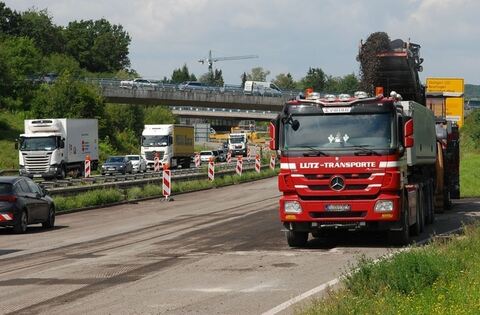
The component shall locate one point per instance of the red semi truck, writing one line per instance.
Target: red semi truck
(356, 163)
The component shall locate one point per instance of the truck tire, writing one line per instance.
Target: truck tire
(297, 239)
(401, 237)
(63, 172)
(416, 229)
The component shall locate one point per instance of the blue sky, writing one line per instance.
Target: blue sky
(287, 35)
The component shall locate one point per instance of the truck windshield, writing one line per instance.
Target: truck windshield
(340, 132)
(238, 139)
(38, 144)
(155, 141)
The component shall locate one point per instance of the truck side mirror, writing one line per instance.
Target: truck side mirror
(273, 132)
(62, 143)
(408, 140)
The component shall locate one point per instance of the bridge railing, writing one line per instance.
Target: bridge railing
(231, 89)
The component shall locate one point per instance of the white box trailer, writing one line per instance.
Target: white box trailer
(53, 147)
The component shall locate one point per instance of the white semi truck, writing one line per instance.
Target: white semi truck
(50, 148)
(174, 144)
(237, 143)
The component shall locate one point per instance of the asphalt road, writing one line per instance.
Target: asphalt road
(219, 251)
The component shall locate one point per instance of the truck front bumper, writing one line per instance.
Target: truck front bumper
(353, 214)
(52, 171)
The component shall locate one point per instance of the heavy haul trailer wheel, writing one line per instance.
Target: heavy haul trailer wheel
(401, 236)
(297, 239)
(417, 228)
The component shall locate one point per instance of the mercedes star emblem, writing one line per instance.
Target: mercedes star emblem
(337, 183)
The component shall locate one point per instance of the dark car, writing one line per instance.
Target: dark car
(24, 202)
(221, 155)
(117, 164)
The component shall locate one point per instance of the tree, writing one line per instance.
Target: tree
(315, 79)
(20, 64)
(9, 20)
(285, 81)
(244, 79)
(159, 115)
(38, 26)
(60, 63)
(346, 84)
(182, 74)
(69, 98)
(98, 45)
(213, 78)
(258, 74)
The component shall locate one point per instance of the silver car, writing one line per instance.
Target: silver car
(138, 162)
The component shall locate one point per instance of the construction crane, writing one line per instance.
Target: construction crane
(210, 60)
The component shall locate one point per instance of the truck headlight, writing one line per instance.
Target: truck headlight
(384, 206)
(293, 207)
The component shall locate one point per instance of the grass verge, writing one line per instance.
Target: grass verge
(109, 196)
(441, 278)
(469, 174)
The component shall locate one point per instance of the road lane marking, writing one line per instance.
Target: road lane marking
(279, 308)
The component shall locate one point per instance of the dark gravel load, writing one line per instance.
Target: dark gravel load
(369, 62)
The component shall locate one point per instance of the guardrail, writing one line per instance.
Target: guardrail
(155, 178)
(160, 86)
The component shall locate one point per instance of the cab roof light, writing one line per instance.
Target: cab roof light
(360, 94)
(330, 97)
(344, 97)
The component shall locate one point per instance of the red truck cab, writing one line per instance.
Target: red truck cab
(344, 165)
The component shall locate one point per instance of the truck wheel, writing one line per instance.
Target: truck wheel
(63, 173)
(20, 226)
(401, 237)
(297, 239)
(417, 228)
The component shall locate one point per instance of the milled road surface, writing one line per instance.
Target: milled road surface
(219, 251)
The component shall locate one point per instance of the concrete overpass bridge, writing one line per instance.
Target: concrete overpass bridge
(206, 97)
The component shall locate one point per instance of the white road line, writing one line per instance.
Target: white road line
(277, 309)
(298, 298)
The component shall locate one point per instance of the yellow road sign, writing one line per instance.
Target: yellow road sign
(455, 85)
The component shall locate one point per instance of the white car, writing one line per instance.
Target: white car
(205, 156)
(138, 83)
(138, 162)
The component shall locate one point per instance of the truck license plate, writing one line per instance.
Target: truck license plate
(337, 208)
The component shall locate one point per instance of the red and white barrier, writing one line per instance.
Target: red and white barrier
(257, 163)
(211, 170)
(167, 182)
(6, 217)
(156, 164)
(87, 167)
(197, 160)
(229, 157)
(248, 153)
(272, 162)
(239, 166)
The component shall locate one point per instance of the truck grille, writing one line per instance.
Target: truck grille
(37, 163)
(150, 156)
(332, 214)
(346, 176)
(347, 187)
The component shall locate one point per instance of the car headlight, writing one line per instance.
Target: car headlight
(122, 166)
(384, 206)
(293, 207)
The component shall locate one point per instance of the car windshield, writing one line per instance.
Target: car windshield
(133, 158)
(206, 153)
(5, 188)
(155, 141)
(115, 159)
(334, 132)
(38, 144)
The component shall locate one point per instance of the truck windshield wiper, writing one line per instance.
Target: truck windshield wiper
(364, 149)
(314, 152)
